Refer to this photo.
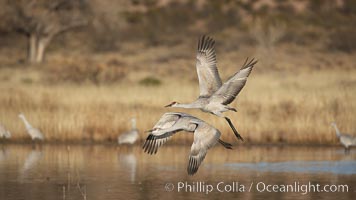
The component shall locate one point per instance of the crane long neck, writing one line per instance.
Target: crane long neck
(338, 133)
(187, 105)
(133, 124)
(27, 124)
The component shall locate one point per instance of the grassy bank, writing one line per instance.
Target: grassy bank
(289, 106)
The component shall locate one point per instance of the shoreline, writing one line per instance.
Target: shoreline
(173, 143)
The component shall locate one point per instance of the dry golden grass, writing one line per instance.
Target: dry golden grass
(273, 107)
(292, 95)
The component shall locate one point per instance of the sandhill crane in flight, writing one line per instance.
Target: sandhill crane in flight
(4, 133)
(214, 96)
(131, 136)
(345, 139)
(205, 136)
(33, 132)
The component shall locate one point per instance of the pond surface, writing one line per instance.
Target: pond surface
(114, 172)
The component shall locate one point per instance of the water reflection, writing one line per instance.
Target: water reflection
(111, 172)
(30, 162)
(340, 167)
(3, 154)
(128, 163)
(33, 157)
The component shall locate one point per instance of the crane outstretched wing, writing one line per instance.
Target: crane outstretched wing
(208, 74)
(205, 137)
(232, 87)
(152, 142)
(163, 130)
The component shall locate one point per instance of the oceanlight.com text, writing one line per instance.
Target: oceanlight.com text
(262, 187)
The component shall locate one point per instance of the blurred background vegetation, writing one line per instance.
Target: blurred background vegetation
(93, 26)
(52, 50)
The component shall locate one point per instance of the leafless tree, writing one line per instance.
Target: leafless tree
(42, 20)
(267, 34)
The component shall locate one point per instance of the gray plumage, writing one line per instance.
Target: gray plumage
(214, 96)
(345, 139)
(129, 137)
(4, 133)
(205, 136)
(33, 132)
(208, 74)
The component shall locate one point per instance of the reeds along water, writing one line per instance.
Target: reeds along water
(273, 107)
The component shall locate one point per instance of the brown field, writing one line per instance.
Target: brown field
(292, 95)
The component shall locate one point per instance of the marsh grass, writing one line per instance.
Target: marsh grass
(292, 95)
(274, 107)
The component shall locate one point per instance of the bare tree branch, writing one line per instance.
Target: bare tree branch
(42, 20)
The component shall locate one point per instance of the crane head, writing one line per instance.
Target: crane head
(21, 115)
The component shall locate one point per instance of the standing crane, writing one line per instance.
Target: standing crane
(131, 136)
(345, 139)
(33, 132)
(4, 133)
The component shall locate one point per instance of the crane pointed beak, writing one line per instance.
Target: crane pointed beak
(169, 105)
(149, 131)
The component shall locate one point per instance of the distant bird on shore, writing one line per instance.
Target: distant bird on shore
(205, 136)
(4, 133)
(345, 139)
(33, 132)
(131, 136)
(214, 96)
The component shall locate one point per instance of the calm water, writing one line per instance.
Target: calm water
(111, 172)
